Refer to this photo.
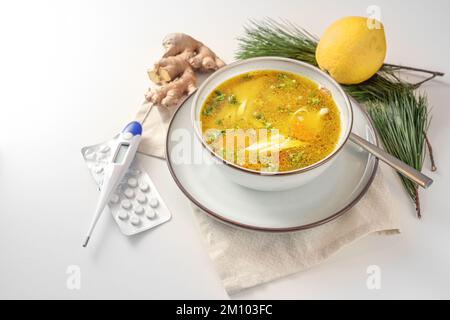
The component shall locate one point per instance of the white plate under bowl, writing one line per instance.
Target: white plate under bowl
(327, 197)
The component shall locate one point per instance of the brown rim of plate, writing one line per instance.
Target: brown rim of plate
(279, 173)
(254, 228)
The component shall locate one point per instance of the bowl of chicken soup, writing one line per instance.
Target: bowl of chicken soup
(274, 123)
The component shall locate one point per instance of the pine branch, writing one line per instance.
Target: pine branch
(271, 38)
(401, 121)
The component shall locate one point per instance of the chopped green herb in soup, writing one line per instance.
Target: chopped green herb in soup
(300, 116)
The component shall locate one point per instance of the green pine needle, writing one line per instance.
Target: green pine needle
(378, 87)
(399, 116)
(271, 38)
(401, 122)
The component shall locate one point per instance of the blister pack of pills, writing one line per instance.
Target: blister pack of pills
(136, 205)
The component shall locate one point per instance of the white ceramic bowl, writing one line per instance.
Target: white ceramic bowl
(274, 181)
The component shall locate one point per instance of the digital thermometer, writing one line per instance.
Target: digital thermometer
(123, 153)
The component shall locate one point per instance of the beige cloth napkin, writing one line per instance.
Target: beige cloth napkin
(244, 258)
(155, 126)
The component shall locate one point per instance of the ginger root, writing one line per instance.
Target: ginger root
(169, 68)
(171, 93)
(174, 72)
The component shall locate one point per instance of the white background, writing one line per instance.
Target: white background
(72, 74)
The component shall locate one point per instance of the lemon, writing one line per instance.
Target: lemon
(352, 49)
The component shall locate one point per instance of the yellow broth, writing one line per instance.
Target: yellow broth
(301, 116)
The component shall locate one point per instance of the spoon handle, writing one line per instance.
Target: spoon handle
(406, 170)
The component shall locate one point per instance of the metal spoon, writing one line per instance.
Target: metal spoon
(406, 170)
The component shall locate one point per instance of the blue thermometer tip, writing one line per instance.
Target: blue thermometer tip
(134, 128)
